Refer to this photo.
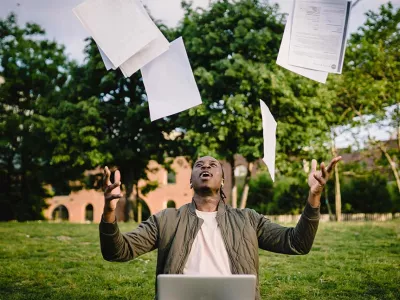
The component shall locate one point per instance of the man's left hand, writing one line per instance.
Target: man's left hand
(317, 179)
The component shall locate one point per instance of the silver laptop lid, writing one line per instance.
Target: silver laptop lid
(184, 287)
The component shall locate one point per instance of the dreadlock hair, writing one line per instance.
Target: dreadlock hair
(221, 191)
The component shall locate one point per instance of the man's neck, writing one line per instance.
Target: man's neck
(206, 203)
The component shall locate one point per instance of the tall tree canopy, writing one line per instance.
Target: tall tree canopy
(46, 137)
(232, 47)
(129, 136)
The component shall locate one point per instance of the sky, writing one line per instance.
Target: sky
(56, 17)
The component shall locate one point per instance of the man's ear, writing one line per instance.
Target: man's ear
(191, 184)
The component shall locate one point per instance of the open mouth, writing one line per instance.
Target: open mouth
(205, 174)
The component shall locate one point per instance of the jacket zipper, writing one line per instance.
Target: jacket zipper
(228, 251)
(180, 269)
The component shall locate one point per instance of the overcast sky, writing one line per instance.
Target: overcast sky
(56, 17)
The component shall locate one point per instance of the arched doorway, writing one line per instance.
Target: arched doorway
(60, 213)
(89, 213)
(171, 203)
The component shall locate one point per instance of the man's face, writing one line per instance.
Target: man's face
(206, 174)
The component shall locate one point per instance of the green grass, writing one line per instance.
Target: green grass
(63, 261)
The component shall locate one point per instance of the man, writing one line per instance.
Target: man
(206, 236)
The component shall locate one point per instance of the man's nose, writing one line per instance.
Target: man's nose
(205, 166)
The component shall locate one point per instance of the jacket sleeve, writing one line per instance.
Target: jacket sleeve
(116, 246)
(288, 240)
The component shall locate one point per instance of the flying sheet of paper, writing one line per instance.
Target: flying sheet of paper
(154, 49)
(283, 57)
(318, 34)
(118, 26)
(107, 63)
(169, 82)
(269, 133)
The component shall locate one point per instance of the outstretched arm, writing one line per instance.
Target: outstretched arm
(297, 240)
(116, 246)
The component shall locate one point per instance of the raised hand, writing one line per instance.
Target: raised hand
(112, 191)
(318, 179)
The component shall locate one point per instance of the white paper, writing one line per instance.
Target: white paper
(107, 62)
(318, 34)
(169, 82)
(154, 49)
(118, 26)
(269, 134)
(283, 57)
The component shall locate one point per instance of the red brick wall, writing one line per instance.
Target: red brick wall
(156, 200)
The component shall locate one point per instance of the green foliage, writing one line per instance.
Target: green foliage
(394, 196)
(58, 119)
(367, 194)
(171, 204)
(129, 136)
(261, 193)
(288, 195)
(47, 135)
(232, 47)
(150, 186)
(370, 81)
(34, 72)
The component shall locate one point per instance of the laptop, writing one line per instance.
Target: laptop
(184, 287)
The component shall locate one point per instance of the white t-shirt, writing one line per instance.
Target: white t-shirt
(208, 255)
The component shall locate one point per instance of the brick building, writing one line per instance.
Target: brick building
(87, 205)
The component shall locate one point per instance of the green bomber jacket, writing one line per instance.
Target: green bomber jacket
(172, 231)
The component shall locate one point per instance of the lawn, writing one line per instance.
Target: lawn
(63, 261)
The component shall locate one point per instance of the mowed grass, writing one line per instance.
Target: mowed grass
(63, 261)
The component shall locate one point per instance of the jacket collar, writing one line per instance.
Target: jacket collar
(221, 208)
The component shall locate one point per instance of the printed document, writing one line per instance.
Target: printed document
(318, 34)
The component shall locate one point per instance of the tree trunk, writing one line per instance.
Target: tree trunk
(246, 188)
(139, 212)
(331, 217)
(130, 185)
(392, 164)
(338, 197)
(128, 203)
(398, 126)
(234, 187)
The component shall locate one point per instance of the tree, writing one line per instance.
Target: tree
(129, 135)
(39, 143)
(369, 85)
(233, 47)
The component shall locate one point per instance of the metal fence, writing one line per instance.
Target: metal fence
(345, 217)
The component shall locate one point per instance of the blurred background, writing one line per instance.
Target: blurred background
(63, 117)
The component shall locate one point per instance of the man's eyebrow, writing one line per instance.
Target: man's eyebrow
(201, 161)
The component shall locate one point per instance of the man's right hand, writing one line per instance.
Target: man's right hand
(112, 193)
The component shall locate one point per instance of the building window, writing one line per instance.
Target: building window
(60, 213)
(171, 204)
(89, 213)
(171, 177)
